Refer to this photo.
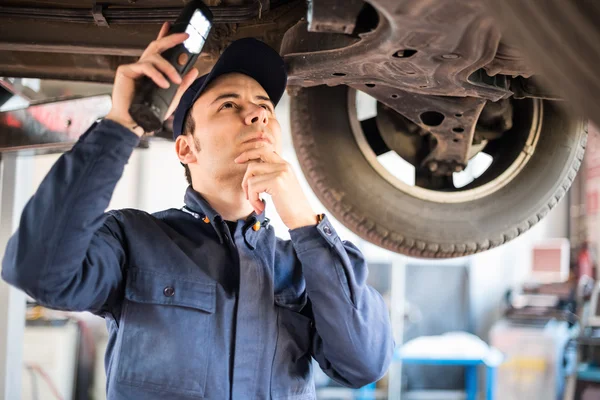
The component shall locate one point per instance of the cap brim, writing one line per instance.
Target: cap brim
(256, 59)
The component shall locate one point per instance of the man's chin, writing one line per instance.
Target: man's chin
(234, 174)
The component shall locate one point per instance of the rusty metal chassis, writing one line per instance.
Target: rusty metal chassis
(424, 56)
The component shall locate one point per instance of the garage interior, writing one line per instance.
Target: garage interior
(520, 321)
(433, 134)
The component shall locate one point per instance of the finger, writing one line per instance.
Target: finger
(258, 169)
(253, 196)
(151, 72)
(165, 67)
(186, 82)
(164, 29)
(247, 175)
(188, 79)
(255, 145)
(277, 155)
(162, 44)
(263, 154)
(256, 186)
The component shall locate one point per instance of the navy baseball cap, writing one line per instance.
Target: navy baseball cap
(248, 56)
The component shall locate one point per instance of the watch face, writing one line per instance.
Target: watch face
(198, 29)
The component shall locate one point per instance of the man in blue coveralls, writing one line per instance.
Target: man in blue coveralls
(203, 302)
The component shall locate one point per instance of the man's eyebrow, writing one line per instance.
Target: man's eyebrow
(226, 96)
(265, 98)
(237, 96)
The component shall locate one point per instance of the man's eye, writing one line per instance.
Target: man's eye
(227, 105)
(266, 107)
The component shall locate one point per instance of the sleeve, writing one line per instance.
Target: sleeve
(353, 342)
(67, 253)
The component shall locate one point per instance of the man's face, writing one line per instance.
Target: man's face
(233, 115)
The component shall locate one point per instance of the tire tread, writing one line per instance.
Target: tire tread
(305, 146)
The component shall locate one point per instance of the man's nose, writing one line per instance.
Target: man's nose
(257, 115)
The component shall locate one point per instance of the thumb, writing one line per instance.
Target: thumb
(186, 82)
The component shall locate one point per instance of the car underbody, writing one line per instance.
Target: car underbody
(446, 81)
(437, 63)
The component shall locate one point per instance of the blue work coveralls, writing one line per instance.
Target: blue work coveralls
(196, 309)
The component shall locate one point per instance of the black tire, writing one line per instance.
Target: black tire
(360, 198)
(561, 41)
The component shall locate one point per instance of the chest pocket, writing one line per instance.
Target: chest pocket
(165, 326)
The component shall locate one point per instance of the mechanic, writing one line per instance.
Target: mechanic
(203, 301)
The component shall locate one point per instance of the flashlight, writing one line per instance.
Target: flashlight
(151, 102)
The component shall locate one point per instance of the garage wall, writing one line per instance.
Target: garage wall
(495, 271)
(591, 181)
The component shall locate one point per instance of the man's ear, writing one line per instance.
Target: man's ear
(183, 147)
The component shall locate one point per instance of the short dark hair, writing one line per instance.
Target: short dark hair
(189, 126)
